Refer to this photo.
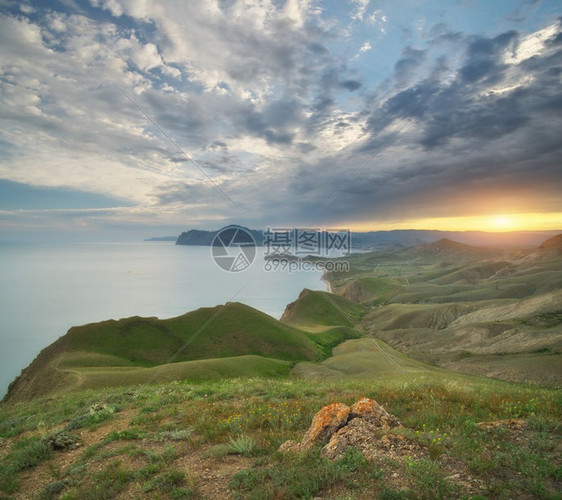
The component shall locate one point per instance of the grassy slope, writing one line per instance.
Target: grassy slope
(234, 330)
(204, 369)
(218, 439)
(231, 341)
(163, 440)
(314, 308)
(453, 301)
(356, 358)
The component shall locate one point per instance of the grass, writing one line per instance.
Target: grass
(321, 308)
(26, 453)
(242, 445)
(232, 330)
(205, 369)
(238, 341)
(258, 382)
(247, 419)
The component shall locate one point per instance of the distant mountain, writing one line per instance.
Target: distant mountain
(449, 248)
(196, 237)
(375, 240)
(383, 240)
(550, 248)
(553, 244)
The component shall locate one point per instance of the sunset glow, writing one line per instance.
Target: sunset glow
(489, 223)
(363, 114)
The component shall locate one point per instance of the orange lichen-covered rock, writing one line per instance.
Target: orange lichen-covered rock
(360, 426)
(371, 411)
(325, 423)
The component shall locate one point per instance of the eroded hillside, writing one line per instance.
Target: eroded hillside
(484, 311)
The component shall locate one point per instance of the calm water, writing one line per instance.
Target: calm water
(46, 289)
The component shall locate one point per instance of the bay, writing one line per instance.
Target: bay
(47, 288)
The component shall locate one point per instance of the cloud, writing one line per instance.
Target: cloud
(269, 100)
(360, 9)
(471, 146)
(405, 68)
(365, 47)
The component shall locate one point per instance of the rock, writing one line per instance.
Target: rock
(371, 411)
(325, 423)
(290, 446)
(515, 425)
(366, 437)
(363, 426)
(356, 434)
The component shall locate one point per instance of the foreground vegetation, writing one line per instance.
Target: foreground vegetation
(148, 407)
(220, 439)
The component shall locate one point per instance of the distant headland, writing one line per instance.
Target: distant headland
(385, 240)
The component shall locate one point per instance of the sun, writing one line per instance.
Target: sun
(500, 222)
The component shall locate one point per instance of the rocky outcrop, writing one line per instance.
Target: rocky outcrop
(365, 426)
(325, 423)
(369, 410)
(366, 437)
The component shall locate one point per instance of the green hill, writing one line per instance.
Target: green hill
(115, 350)
(313, 308)
(197, 406)
(217, 332)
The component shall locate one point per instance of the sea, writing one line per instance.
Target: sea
(46, 288)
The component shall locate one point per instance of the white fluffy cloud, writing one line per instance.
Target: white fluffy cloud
(262, 96)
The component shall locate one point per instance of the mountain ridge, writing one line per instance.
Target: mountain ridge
(400, 238)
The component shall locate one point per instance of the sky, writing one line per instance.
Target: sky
(151, 117)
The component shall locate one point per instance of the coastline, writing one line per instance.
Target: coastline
(327, 282)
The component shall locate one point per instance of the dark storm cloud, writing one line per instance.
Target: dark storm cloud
(270, 101)
(351, 85)
(495, 124)
(483, 58)
(411, 60)
(476, 112)
(275, 122)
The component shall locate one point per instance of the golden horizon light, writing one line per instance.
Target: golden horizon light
(551, 221)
